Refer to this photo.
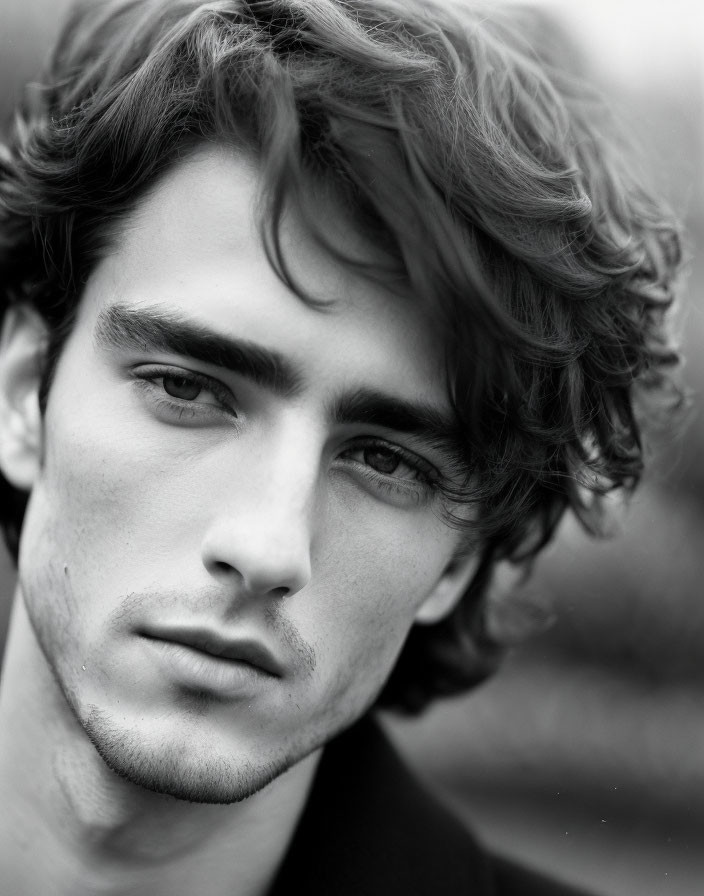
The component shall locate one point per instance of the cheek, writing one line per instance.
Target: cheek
(88, 486)
(101, 497)
(70, 539)
(370, 583)
(379, 564)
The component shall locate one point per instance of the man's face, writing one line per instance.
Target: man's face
(231, 534)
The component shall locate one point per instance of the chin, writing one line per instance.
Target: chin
(167, 768)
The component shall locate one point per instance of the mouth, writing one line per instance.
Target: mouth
(210, 650)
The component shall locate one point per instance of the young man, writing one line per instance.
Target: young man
(314, 312)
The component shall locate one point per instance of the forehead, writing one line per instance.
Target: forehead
(193, 245)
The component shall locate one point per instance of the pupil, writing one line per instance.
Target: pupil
(180, 387)
(382, 461)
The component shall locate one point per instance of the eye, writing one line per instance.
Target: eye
(177, 395)
(388, 461)
(179, 386)
(391, 472)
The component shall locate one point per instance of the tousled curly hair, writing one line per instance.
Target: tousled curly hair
(494, 184)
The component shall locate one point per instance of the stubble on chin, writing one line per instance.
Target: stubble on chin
(166, 766)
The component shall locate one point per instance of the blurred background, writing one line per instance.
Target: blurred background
(585, 754)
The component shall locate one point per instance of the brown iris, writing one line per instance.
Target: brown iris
(181, 387)
(382, 460)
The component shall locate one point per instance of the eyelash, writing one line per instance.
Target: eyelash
(147, 377)
(427, 479)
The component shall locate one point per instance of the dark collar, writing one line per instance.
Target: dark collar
(370, 828)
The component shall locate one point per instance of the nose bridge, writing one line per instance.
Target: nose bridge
(263, 526)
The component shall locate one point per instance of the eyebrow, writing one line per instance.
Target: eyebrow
(156, 329)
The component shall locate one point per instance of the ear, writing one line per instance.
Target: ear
(448, 590)
(22, 345)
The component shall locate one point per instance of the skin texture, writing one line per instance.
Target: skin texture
(234, 509)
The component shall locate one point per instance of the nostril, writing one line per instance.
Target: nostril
(223, 570)
(219, 566)
(279, 592)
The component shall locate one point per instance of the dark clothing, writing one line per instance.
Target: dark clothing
(370, 829)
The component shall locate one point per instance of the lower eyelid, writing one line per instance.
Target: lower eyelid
(415, 491)
(182, 409)
(419, 486)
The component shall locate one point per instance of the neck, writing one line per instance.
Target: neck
(71, 825)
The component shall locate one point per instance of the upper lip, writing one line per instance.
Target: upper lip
(243, 650)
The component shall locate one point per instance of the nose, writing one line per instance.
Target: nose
(261, 534)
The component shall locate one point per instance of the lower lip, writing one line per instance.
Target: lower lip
(199, 671)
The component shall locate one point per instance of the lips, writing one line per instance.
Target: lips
(213, 644)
